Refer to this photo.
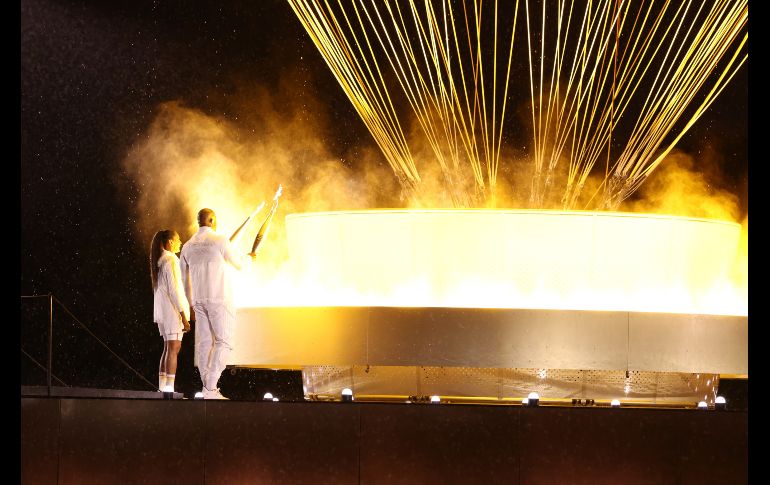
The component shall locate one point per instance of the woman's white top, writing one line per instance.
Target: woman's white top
(170, 299)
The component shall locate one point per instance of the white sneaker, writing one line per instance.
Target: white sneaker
(213, 394)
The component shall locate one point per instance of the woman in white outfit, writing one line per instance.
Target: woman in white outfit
(171, 310)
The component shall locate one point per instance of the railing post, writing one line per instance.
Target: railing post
(50, 340)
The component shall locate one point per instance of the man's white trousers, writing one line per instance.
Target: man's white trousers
(213, 340)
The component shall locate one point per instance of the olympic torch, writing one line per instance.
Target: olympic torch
(266, 225)
(234, 237)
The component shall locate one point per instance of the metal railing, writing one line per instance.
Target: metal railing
(49, 367)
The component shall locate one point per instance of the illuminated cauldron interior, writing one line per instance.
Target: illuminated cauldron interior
(599, 271)
(517, 259)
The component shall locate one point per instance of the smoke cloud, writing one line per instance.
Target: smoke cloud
(188, 159)
(681, 186)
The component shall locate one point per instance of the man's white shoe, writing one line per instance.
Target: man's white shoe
(213, 394)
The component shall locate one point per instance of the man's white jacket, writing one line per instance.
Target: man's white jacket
(207, 261)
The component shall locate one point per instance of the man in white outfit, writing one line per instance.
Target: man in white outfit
(206, 261)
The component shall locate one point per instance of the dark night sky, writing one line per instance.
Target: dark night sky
(92, 76)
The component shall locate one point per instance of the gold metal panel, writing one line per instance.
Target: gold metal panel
(497, 338)
(688, 343)
(289, 336)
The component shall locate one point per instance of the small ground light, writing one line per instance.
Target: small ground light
(168, 392)
(533, 399)
(703, 406)
(267, 397)
(275, 399)
(347, 395)
(615, 403)
(198, 395)
(720, 403)
(435, 399)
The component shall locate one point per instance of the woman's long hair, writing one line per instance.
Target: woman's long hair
(156, 249)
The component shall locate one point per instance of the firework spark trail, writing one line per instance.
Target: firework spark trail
(635, 59)
(429, 86)
(642, 67)
(599, 101)
(369, 103)
(716, 35)
(585, 88)
(688, 80)
(423, 104)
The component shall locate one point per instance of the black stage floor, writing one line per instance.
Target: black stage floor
(60, 391)
(150, 440)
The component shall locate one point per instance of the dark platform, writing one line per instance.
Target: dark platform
(86, 392)
(77, 440)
